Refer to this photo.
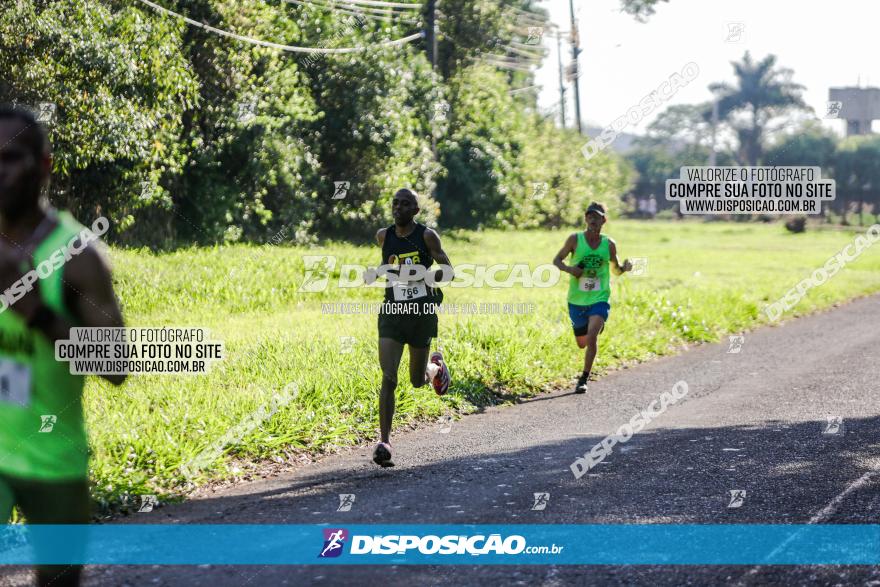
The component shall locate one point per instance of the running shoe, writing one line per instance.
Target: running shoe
(382, 455)
(442, 378)
(581, 386)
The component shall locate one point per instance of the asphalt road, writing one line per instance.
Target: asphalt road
(754, 420)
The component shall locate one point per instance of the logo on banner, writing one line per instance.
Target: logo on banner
(334, 541)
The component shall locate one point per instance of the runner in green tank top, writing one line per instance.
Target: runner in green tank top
(43, 443)
(589, 289)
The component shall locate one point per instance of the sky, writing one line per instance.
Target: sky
(825, 43)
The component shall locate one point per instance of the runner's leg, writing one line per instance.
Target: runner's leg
(420, 371)
(55, 503)
(591, 341)
(7, 502)
(390, 352)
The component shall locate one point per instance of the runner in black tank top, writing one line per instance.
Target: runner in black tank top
(407, 316)
(409, 249)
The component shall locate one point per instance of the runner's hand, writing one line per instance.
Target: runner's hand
(576, 271)
(627, 265)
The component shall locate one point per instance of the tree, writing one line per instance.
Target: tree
(680, 135)
(810, 144)
(119, 86)
(762, 92)
(181, 135)
(474, 28)
(640, 9)
(857, 172)
(655, 163)
(680, 125)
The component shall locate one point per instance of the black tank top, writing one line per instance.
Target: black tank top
(408, 250)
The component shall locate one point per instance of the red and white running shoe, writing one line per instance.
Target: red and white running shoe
(442, 378)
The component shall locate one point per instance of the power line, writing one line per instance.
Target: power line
(517, 60)
(528, 14)
(525, 89)
(357, 11)
(510, 61)
(525, 46)
(531, 23)
(553, 111)
(523, 53)
(409, 5)
(507, 65)
(288, 48)
(347, 5)
(342, 10)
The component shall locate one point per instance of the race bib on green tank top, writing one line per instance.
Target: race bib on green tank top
(15, 383)
(590, 284)
(593, 285)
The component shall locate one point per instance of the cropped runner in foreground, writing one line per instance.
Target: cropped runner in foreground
(589, 289)
(408, 315)
(43, 444)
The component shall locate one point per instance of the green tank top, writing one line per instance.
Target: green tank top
(42, 433)
(593, 286)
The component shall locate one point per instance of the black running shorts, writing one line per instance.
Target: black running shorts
(414, 330)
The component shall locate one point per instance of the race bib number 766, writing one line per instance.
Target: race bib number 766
(406, 291)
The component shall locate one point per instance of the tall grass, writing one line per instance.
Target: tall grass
(703, 280)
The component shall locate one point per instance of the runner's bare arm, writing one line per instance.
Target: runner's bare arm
(89, 288)
(432, 240)
(612, 252)
(371, 273)
(567, 249)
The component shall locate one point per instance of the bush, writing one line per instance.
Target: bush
(796, 224)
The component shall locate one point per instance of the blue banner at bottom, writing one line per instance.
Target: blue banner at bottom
(417, 544)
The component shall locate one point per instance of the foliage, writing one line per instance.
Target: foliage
(180, 135)
(640, 9)
(810, 144)
(681, 124)
(120, 86)
(857, 172)
(762, 92)
(654, 164)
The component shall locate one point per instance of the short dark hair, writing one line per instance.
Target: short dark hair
(407, 192)
(34, 134)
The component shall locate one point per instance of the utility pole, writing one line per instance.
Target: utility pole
(712, 155)
(575, 51)
(431, 33)
(561, 84)
(431, 30)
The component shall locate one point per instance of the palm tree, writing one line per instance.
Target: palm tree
(762, 93)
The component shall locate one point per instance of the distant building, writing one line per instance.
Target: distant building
(858, 106)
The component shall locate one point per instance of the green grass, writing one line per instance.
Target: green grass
(704, 280)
